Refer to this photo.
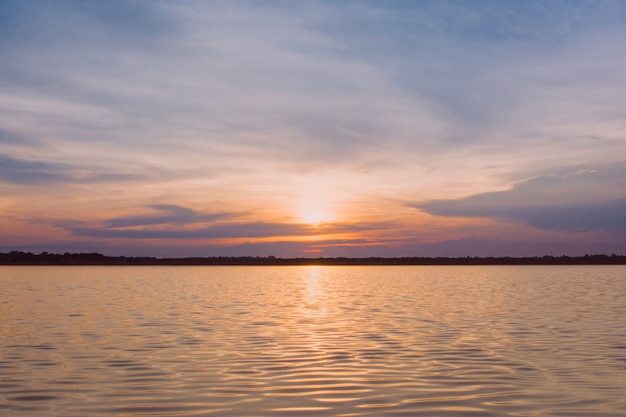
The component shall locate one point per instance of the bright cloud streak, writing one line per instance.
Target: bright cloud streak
(335, 128)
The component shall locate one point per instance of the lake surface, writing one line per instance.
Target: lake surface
(313, 341)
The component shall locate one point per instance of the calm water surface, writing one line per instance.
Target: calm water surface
(313, 341)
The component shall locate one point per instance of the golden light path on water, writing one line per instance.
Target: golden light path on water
(313, 341)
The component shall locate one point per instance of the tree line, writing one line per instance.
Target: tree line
(45, 258)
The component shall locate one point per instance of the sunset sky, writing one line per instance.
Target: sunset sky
(313, 128)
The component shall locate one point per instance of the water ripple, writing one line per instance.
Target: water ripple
(313, 341)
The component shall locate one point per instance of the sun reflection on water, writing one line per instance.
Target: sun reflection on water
(314, 305)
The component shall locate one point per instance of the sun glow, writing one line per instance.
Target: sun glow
(314, 213)
(316, 200)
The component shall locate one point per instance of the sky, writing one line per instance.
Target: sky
(313, 128)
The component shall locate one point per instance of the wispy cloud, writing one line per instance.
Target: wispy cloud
(8, 137)
(22, 171)
(233, 230)
(169, 214)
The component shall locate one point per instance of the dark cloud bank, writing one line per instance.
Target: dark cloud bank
(586, 200)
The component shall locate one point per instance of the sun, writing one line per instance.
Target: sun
(314, 202)
(314, 215)
(314, 211)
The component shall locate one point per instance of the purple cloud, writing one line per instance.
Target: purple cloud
(587, 200)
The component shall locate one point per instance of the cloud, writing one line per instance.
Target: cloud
(118, 229)
(8, 137)
(231, 230)
(309, 85)
(584, 200)
(287, 248)
(264, 77)
(30, 172)
(177, 222)
(169, 214)
(531, 76)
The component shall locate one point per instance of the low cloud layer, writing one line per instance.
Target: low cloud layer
(168, 221)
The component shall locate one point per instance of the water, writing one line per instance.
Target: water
(313, 341)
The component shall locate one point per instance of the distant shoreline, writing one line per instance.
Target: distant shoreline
(45, 258)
